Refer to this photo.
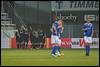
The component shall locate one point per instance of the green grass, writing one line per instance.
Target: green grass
(42, 57)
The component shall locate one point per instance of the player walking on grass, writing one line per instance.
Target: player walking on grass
(88, 29)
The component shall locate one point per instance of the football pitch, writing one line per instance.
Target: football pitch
(42, 57)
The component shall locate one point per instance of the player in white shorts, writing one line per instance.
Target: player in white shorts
(55, 37)
(88, 33)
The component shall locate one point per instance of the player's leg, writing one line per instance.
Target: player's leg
(53, 49)
(23, 44)
(54, 45)
(26, 44)
(58, 47)
(16, 42)
(20, 44)
(23, 41)
(86, 47)
(88, 43)
(59, 42)
(32, 41)
(32, 44)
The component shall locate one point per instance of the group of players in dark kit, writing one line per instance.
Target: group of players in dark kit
(37, 38)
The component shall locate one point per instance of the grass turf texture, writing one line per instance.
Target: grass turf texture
(42, 57)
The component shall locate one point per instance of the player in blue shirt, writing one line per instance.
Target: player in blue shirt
(55, 37)
(88, 29)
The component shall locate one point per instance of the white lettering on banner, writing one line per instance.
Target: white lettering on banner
(75, 5)
(70, 17)
(76, 43)
(66, 43)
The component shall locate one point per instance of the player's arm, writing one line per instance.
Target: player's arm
(93, 30)
(83, 28)
(53, 29)
(62, 26)
(62, 30)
